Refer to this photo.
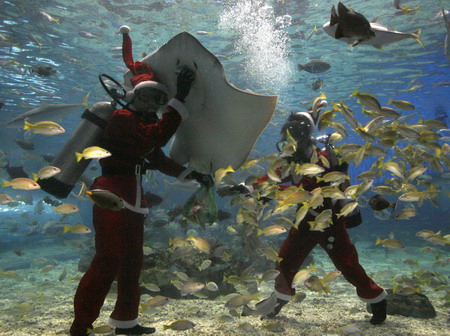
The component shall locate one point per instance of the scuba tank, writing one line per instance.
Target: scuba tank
(88, 133)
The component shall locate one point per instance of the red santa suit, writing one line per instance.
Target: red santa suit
(119, 234)
(334, 240)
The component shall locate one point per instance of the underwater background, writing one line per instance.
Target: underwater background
(260, 44)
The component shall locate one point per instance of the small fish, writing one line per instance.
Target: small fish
(157, 301)
(315, 66)
(221, 173)
(317, 84)
(322, 221)
(87, 35)
(5, 199)
(46, 172)
(390, 243)
(205, 264)
(316, 285)
(272, 230)
(202, 32)
(367, 99)
(331, 276)
(191, 287)
(269, 275)
(48, 17)
(78, 229)
(240, 300)
(106, 199)
(44, 128)
(271, 254)
(21, 183)
(302, 275)
(298, 297)
(411, 262)
(93, 152)
(349, 329)
(402, 104)
(63, 275)
(262, 308)
(200, 243)
(43, 70)
(406, 213)
(151, 287)
(66, 209)
(47, 268)
(379, 203)
(180, 325)
(347, 209)
(212, 286)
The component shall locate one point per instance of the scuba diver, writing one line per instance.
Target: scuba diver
(134, 135)
(333, 239)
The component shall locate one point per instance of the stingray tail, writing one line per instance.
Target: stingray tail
(416, 36)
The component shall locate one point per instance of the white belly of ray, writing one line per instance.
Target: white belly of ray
(224, 122)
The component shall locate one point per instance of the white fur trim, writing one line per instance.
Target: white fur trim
(123, 30)
(123, 324)
(377, 299)
(284, 297)
(179, 107)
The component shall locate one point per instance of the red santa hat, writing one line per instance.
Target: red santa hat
(143, 75)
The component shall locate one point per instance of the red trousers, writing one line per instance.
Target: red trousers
(119, 255)
(336, 242)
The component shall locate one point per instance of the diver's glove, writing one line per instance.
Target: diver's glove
(184, 83)
(203, 179)
(230, 190)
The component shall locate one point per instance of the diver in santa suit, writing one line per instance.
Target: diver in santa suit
(333, 239)
(134, 135)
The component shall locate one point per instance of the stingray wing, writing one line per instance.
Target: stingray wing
(224, 122)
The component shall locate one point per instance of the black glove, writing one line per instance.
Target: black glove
(184, 83)
(203, 179)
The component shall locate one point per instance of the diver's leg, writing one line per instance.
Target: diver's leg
(345, 257)
(125, 314)
(128, 292)
(95, 284)
(294, 251)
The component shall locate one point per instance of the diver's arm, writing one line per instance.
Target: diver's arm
(159, 161)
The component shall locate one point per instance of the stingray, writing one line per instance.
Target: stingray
(224, 122)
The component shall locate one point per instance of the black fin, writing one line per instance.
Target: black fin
(334, 16)
(342, 10)
(339, 32)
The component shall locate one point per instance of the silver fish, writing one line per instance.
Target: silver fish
(262, 308)
(383, 35)
(46, 112)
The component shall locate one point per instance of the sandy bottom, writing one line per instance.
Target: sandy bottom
(40, 304)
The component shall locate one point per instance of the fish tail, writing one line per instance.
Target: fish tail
(56, 20)
(66, 228)
(79, 156)
(327, 289)
(27, 125)
(378, 241)
(35, 177)
(246, 311)
(390, 101)
(259, 232)
(299, 67)
(355, 93)
(5, 183)
(89, 330)
(30, 70)
(312, 268)
(416, 36)
(85, 102)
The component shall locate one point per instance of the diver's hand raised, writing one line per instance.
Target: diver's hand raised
(184, 83)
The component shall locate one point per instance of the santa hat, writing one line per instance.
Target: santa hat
(143, 75)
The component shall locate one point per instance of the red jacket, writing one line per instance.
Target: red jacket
(130, 139)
